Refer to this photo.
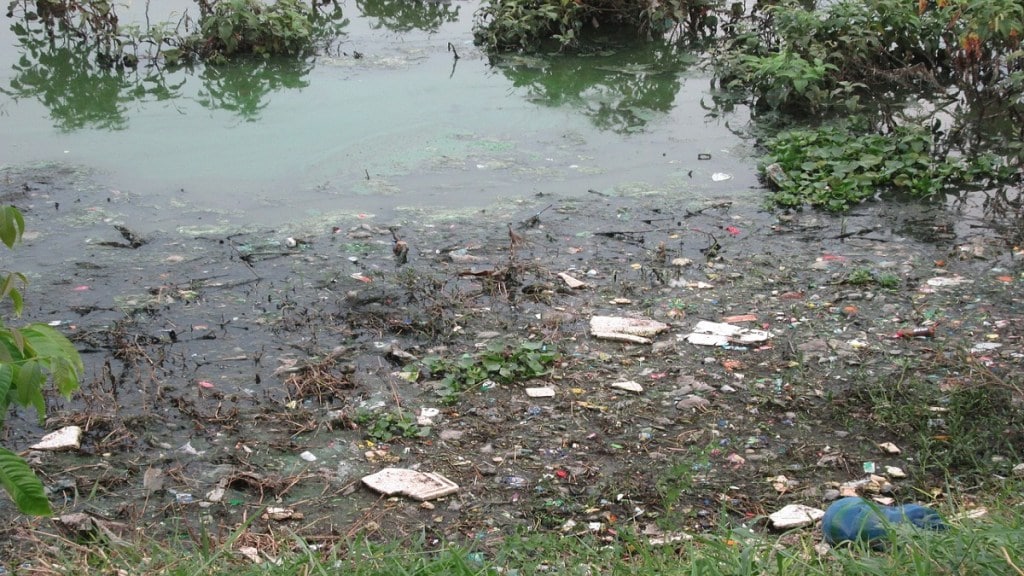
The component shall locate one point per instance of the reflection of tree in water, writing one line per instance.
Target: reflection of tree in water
(242, 87)
(406, 15)
(79, 93)
(619, 92)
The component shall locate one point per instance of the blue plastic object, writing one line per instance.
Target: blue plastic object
(858, 520)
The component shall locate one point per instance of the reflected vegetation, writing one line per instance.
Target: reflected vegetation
(406, 15)
(74, 87)
(81, 92)
(621, 90)
(244, 87)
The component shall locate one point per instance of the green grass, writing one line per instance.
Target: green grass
(955, 415)
(990, 544)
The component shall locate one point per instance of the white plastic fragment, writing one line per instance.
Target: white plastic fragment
(278, 513)
(707, 333)
(944, 281)
(657, 537)
(629, 386)
(67, 438)
(540, 392)
(981, 347)
(973, 514)
(889, 448)
(795, 516)
(412, 483)
(570, 281)
(895, 472)
(720, 177)
(427, 415)
(187, 448)
(308, 456)
(251, 553)
(638, 330)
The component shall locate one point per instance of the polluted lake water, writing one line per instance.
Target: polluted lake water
(555, 307)
(384, 117)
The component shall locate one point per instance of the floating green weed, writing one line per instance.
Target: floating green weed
(834, 168)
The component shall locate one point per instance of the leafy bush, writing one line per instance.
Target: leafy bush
(510, 25)
(232, 27)
(226, 28)
(525, 24)
(784, 79)
(29, 357)
(873, 48)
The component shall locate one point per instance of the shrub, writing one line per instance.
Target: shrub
(29, 357)
(232, 27)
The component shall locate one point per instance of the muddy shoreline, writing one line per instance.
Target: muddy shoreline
(221, 358)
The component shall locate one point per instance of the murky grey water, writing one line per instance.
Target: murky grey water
(404, 126)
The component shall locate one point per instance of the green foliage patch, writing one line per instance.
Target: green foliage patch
(834, 168)
(231, 27)
(789, 57)
(498, 362)
(529, 25)
(385, 426)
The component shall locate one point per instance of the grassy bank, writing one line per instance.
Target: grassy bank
(986, 536)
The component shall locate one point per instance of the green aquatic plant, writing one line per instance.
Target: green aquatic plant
(834, 167)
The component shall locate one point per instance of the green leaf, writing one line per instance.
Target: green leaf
(12, 225)
(22, 485)
(6, 384)
(13, 345)
(28, 382)
(51, 348)
(65, 376)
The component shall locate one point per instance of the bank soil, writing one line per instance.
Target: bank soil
(229, 372)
